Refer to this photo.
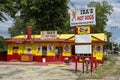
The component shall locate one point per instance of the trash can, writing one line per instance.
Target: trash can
(44, 60)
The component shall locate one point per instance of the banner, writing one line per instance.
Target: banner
(84, 16)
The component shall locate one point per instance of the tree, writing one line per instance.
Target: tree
(109, 43)
(2, 44)
(18, 27)
(103, 9)
(44, 15)
(7, 7)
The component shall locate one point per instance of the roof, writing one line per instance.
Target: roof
(101, 37)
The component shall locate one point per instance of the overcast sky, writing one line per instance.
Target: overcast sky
(114, 19)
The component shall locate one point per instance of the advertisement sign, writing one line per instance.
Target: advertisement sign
(98, 48)
(67, 48)
(84, 16)
(83, 29)
(83, 49)
(39, 48)
(29, 49)
(86, 38)
(48, 35)
(50, 47)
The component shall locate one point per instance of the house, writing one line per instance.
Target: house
(50, 46)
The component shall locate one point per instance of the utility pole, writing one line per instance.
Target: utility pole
(112, 41)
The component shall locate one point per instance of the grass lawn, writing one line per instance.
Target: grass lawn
(109, 68)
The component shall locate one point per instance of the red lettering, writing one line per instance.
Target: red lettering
(89, 17)
(80, 18)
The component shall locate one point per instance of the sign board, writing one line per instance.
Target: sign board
(48, 35)
(84, 16)
(86, 38)
(83, 29)
(83, 49)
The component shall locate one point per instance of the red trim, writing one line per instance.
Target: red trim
(22, 40)
(14, 57)
(48, 58)
(97, 38)
(38, 58)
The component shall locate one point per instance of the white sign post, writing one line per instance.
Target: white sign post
(83, 44)
(83, 49)
(84, 16)
(86, 38)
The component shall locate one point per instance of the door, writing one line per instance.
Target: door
(15, 53)
(59, 53)
(44, 51)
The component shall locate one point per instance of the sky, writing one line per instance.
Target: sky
(114, 19)
(113, 25)
(5, 25)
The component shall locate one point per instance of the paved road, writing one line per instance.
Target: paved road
(14, 71)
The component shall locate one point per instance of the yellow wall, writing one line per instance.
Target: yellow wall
(9, 49)
(98, 54)
(22, 49)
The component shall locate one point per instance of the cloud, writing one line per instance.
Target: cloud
(114, 18)
(4, 28)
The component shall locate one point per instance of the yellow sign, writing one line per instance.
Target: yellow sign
(84, 30)
(25, 58)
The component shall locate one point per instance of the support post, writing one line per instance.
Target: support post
(76, 66)
(91, 67)
(83, 65)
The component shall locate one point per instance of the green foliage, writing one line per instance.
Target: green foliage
(102, 10)
(109, 44)
(18, 28)
(42, 15)
(7, 6)
(2, 44)
(116, 47)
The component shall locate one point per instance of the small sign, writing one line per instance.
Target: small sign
(98, 48)
(50, 47)
(83, 49)
(84, 16)
(29, 49)
(48, 35)
(85, 38)
(67, 48)
(39, 48)
(83, 29)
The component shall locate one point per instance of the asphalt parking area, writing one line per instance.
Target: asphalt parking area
(35, 72)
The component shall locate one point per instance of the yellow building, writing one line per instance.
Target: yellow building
(39, 48)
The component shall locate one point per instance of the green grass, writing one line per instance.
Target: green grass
(109, 68)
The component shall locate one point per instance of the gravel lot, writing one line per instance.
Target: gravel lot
(28, 71)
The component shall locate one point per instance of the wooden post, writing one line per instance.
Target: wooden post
(76, 66)
(83, 66)
(91, 66)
